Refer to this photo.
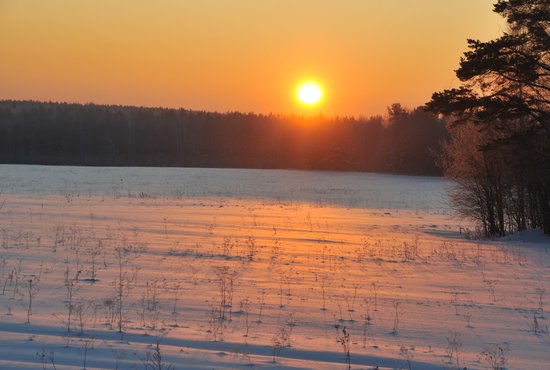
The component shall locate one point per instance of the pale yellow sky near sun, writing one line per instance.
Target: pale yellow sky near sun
(245, 55)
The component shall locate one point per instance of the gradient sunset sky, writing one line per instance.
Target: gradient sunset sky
(244, 55)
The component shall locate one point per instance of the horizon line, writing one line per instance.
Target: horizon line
(279, 114)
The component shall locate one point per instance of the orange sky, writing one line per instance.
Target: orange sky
(245, 55)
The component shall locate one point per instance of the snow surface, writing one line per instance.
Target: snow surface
(300, 255)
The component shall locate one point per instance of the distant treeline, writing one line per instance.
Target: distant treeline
(406, 142)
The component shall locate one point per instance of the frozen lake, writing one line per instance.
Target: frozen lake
(347, 189)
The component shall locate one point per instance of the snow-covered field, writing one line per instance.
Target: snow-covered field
(253, 268)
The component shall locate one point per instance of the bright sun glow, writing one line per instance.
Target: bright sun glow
(309, 93)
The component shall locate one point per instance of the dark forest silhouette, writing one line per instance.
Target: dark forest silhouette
(406, 142)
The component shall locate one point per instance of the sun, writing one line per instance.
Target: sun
(309, 93)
